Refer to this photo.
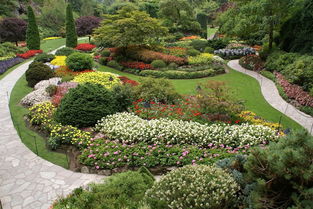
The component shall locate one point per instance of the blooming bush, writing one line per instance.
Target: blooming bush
(59, 61)
(251, 117)
(106, 154)
(129, 128)
(29, 53)
(149, 56)
(107, 80)
(294, 91)
(176, 51)
(41, 113)
(136, 65)
(252, 62)
(64, 71)
(200, 186)
(85, 47)
(7, 64)
(235, 52)
(61, 90)
(203, 58)
(126, 80)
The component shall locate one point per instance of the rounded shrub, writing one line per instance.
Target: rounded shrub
(173, 66)
(44, 57)
(209, 50)
(199, 44)
(65, 51)
(193, 52)
(115, 65)
(37, 72)
(85, 105)
(194, 186)
(105, 53)
(158, 64)
(79, 61)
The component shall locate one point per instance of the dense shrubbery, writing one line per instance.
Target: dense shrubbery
(203, 58)
(7, 64)
(218, 43)
(149, 56)
(278, 61)
(199, 44)
(65, 51)
(36, 72)
(44, 58)
(85, 105)
(252, 62)
(79, 61)
(158, 64)
(177, 74)
(234, 53)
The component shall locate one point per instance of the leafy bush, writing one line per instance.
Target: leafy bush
(194, 186)
(203, 58)
(149, 56)
(8, 48)
(218, 43)
(172, 66)
(307, 110)
(124, 190)
(37, 72)
(129, 128)
(278, 61)
(105, 53)
(283, 173)
(79, 61)
(176, 74)
(65, 51)
(115, 65)
(199, 44)
(193, 52)
(268, 75)
(105, 79)
(44, 58)
(208, 50)
(252, 62)
(51, 90)
(85, 105)
(151, 89)
(158, 64)
(123, 95)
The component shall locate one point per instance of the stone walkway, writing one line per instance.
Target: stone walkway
(26, 180)
(272, 96)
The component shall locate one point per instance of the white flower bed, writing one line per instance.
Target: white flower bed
(130, 128)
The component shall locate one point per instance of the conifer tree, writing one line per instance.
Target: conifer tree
(32, 33)
(71, 35)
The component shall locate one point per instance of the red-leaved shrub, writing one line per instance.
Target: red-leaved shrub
(148, 56)
(29, 53)
(137, 65)
(294, 91)
(85, 47)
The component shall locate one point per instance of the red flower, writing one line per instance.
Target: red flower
(85, 47)
(137, 65)
(29, 53)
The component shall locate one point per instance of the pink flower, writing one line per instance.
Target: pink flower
(177, 162)
(97, 167)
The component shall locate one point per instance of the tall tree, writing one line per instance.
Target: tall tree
(71, 36)
(32, 33)
(13, 30)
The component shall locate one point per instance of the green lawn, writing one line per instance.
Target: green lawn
(244, 87)
(212, 31)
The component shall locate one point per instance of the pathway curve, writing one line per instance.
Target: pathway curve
(272, 96)
(26, 180)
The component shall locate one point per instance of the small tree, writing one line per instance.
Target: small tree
(86, 24)
(32, 33)
(71, 36)
(12, 30)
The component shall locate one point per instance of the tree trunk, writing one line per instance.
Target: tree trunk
(16, 43)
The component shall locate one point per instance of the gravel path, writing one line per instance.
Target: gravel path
(272, 96)
(26, 180)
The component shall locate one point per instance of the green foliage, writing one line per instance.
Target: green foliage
(124, 190)
(268, 75)
(172, 66)
(193, 52)
(105, 53)
(283, 173)
(279, 60)
(158, 64)
(178, 74)
(65, 51)
(123, 95)
(71, 35)
(194, 186)
(208, 50)
(129, 27)
(44, 57)
(79, 61)
(114, 65)
(218, 43)
(160, 90)
(8, 48)
(51, 90)
(85, 105)
(37, 72)
(202, 18)
(32, 33)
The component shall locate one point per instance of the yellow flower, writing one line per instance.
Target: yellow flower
(201, 59)
(59, 61)
(108, 80)
(51, 38)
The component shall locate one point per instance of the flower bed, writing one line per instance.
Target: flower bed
(65, 71)
(29, 53)
(203, 58)
(252, 62)
(126, 80)
(61, 90)
(107, 80)
(149, 56)
(234, 53)
(251, 117)
(59, 61)
(7, 64)
(129, 128)
(137, 65)
(85, 47)
(51, 38)
(176, 51)
(189, 38)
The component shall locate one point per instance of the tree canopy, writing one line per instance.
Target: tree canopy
(12, 30)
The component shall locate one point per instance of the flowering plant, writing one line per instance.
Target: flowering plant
(203, 58)
(107, 80)
(190, 38)
(61, 90)
(176, 51)
(137, 65)
(149, 56)
(59, 61)
(6, 64)
(126, 80)
(251, 117)
(29, 53)
(252, 62)
(85, 47)
(51, 38)
(65, 71)
(129, 128)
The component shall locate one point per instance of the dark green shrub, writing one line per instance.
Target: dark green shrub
(105, 53)
(65, 51)
(44, 57)
(279, 60)
(158, 64)
(199, 44)
(176, 74)
(283, 173)
(218, 43)
(268, 75)
(51, 90)
(115, 65)
(79, 61)
(103, 60)
(172, 66)
(85, 105)
(37, 72)
(209, 50)
(123, 190)
(71, 35)
(266, 51)
(193, 52)
(124, 96)
(160, 90)
(32, 33)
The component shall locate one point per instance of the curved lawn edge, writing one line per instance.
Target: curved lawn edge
(271, 95)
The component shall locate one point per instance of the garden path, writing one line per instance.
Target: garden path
(26, 180)
(272, 96)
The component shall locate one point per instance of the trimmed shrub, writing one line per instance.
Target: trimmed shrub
(218, 43)
(199, 44)
(209, 50)
(193, 52)
(85, 105)
(71, 35)
(44, 57)
(65, 51)
(32, 33)
(37, 72)
(105, 53)
(123, 95)
(194, 186)
(79, 61)
(158, 64)
(172, 66)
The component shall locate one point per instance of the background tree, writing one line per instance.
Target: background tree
(32, 33)
(86, 24)
(87, 8)
(129, 27)
(71, 36)
(12, 30)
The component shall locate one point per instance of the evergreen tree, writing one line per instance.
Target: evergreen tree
(32, 33)
(71, 36)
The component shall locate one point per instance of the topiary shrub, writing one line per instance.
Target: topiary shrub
(85, 105)
(124, 96)
(199, 44)
(65, 51)
(151, 89)
(44, 57)
(37, 72)
(105, 53)
(193, 186)
(193, 52)
(158, 64)
(79, 61)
